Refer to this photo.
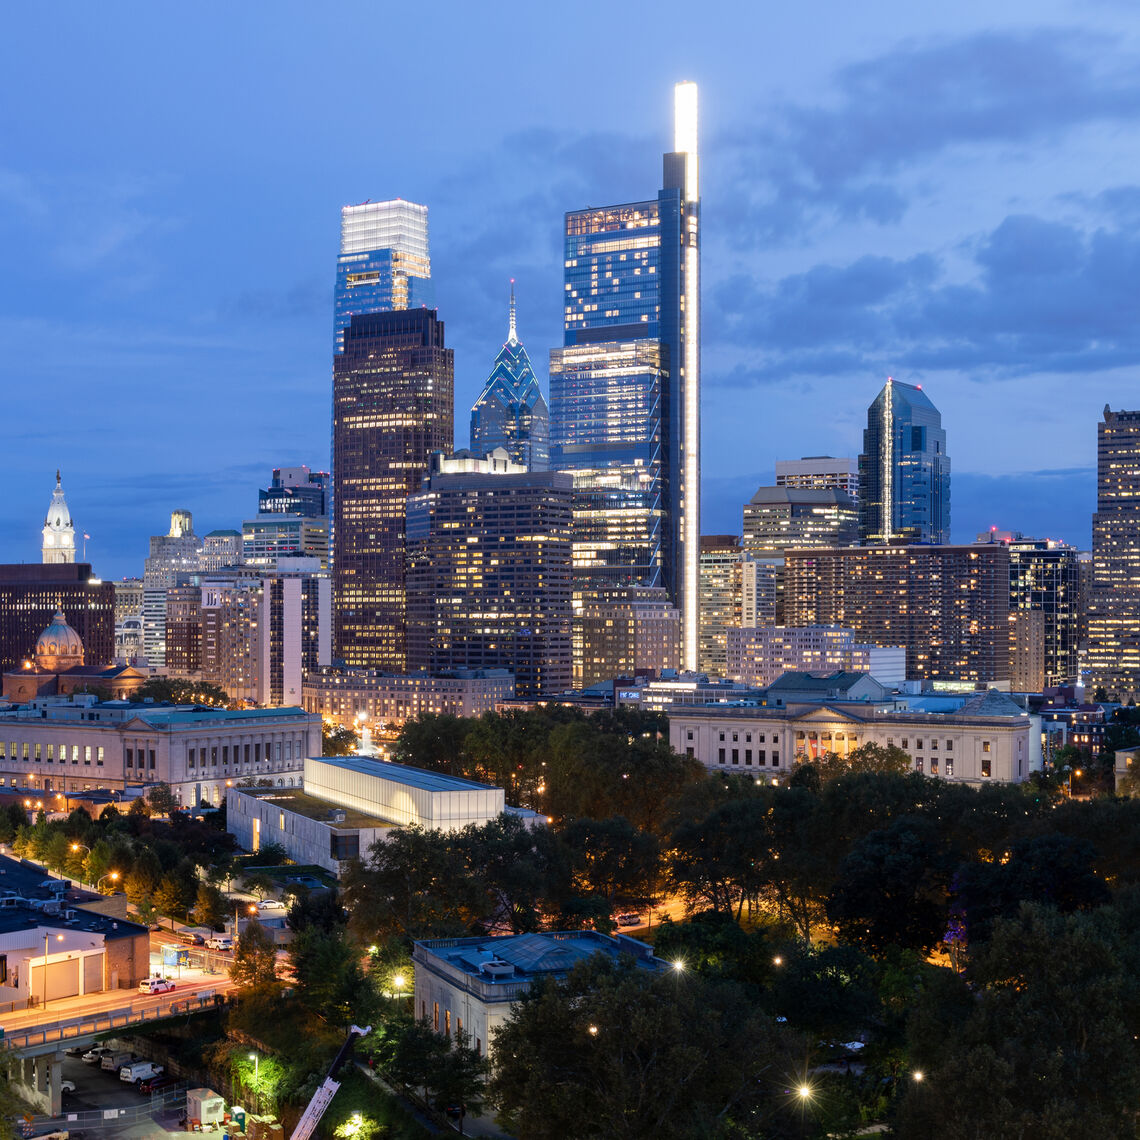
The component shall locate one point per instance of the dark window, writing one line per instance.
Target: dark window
(720, 755)
(130, 757)
(225, 753)
(344, 846)
(748, 757)
(151, 757)
(736, 755)
(761, 757)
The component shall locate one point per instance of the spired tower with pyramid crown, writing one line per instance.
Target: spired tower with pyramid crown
(59, 533)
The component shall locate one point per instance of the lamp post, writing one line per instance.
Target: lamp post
(237, 916)
(77, 847)
(47, 938)
(256, 1088)
(112, 875)
(1073, 772)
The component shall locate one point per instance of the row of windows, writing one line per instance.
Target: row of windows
(761, 755)
(747, 737)
(47, 752)
(208, 757)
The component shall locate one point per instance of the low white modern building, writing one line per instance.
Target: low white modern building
(759, 656)
(80, 744)
(469, 984)
(988, 738)
(348, 803)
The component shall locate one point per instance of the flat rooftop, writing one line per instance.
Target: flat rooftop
(297, 801)
(404, 774)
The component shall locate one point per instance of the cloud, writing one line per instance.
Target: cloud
(1049, 503)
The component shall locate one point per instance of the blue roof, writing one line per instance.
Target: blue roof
(180, 714)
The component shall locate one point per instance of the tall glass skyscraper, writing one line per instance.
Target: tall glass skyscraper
(511, 412)
(384, 264)
(904, 471)
(625, 388)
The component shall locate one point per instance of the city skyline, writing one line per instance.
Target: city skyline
(832, 258)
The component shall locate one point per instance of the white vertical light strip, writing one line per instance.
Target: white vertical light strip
(685, 134)
(685, 141)
(888, 450)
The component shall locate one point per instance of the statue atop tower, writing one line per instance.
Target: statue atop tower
(59, 533)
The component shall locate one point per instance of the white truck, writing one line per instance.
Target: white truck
(138, 1071)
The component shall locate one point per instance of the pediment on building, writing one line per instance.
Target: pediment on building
(829, 714)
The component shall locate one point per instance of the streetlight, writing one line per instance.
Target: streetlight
(112, 875)
(1073, 772)
(47, 938)
(256, 1092)
(237, 916)
(917, 1074)
(76, 848)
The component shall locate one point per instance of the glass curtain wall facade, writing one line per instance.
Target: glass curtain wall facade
(632, 281)
(904, 471)
(393, 406)
(1114, 606)
(511, 412)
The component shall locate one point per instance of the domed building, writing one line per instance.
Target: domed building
(57, 669)
(59, 532)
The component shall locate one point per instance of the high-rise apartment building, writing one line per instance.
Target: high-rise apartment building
(488, 583)
(1045, 577)
(819, 472)
(948, 606)
(759, 656)
(624, 631)
(722, 598)
(777, 518)
(1114, 604)
(904, 471)
(173, 558)
(393, 407)
(632, 337)
(384, 263)
(511, 412)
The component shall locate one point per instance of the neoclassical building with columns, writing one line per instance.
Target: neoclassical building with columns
(80, 744)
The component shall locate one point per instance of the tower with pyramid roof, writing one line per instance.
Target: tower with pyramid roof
(511, 412)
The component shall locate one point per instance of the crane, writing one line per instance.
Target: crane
(315, 1109)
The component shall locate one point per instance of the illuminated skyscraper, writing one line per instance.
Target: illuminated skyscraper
(1114, 607)
(632, 351)
(393, 406)
(904, 471)
(384, 264)
(511, 412)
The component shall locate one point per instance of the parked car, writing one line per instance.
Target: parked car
(220, 942)
(270, 904)
(190, 938)
(629, 919)
(75, 1051)
(67, 1086)
(156, 985)
(138, 1071)
(114, 1059)
(94, 1056)
(157, 1084)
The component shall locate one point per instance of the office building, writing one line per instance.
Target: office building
(624, 631)
(1114, 603)
(762, 583)
(904, 471)
(220, 550)
(295, 491)
(173, 559)
(761, 655)
(948, 606)
(511, 412)
(276, 535)
(488, 572)
(722, 598)
(776, 518)
(384, 263)
(985, 739)
(393, 401)
(59, 531)
(625, 387)
(821, 472)
(74, 745)
(30, 595)
(129, 621)
(355, 698)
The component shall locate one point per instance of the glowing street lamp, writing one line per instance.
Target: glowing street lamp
(112, 875)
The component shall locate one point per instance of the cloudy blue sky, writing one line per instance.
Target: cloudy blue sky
(948, 196)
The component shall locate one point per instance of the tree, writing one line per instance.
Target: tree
(182, 692)
(616, 1051)
(161, 799)
(336, 740)
(143, 878)
(460, 1077)
(258, 883)
(611, 858)
(210, 907)
(866, 758)
(892, 888)
(173, 894)
(435, 741)
(331, 981)
(255, 959)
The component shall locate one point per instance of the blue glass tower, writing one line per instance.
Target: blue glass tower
(904, 471)
(511, 412)
(384, 264)
(625, 388)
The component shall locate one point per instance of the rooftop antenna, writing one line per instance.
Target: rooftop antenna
(512, 334)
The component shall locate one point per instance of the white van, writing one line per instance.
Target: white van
(220, 942)
(138, 1071)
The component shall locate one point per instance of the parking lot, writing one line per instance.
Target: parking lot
(96, 1088)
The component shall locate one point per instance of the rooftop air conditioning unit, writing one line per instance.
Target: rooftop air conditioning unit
(497, 968)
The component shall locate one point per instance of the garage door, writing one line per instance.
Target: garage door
(63, 980)
(92, 973)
